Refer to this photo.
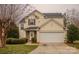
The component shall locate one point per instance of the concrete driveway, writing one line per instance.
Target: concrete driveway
(54, 48)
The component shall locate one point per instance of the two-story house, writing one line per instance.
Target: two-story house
(45, 27)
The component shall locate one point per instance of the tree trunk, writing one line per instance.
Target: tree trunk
(2, 38)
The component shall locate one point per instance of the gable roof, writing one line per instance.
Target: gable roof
(29, 15)
(53, 21)
(33, 12)
(53, 15)
(49, 15)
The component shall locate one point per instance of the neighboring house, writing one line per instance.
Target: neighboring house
(45, 27)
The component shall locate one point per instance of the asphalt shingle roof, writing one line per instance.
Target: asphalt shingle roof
(51, 15)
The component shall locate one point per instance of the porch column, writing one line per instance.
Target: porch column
(38, 36)
(30, 36)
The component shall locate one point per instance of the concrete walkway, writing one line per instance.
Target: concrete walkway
(54, 48)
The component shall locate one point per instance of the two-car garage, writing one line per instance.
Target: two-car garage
(49, 37)
(52, 31)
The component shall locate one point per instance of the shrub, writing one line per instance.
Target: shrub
(72, 33)
(13, 31)
(15, 41)
(34, 40)
(24, 39)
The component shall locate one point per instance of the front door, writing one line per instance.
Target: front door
(33, 36)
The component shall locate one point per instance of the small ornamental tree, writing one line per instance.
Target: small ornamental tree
(13, 31)
(72, 33)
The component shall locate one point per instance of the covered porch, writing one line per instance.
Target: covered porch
(32, 34)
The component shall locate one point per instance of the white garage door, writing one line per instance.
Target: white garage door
(51, 37)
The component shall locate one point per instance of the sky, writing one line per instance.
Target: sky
(55, 8)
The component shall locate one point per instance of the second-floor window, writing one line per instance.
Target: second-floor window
(31, 22)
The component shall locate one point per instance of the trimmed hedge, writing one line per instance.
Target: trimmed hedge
(15, 41)
(24, 39)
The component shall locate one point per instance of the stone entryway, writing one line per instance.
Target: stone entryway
(54, 48)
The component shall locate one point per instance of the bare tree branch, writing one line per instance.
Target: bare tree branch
(72, 16)
(9, 13)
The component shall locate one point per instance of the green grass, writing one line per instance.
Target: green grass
(17, 49)
(75, 45)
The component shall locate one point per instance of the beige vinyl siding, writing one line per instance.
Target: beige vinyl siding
(60, 20)
(39, 21)
(22, 33)
(51, 27)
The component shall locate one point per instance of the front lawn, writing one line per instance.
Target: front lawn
(75, 45)
(17, 49)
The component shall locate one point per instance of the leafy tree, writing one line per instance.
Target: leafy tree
(72, 33)
(13, 32)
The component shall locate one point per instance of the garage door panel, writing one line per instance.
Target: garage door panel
(51, 37)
